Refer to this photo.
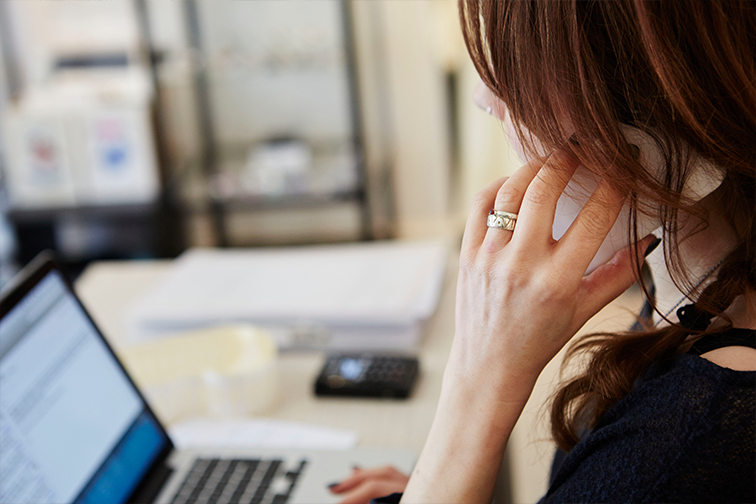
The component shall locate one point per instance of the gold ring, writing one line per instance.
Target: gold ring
(502, 220)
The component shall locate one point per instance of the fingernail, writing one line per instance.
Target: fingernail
(331, 485)
(651, 247)
(355, 467)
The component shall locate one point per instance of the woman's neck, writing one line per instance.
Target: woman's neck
(700, 253)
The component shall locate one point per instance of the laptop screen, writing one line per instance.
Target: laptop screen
(72, 426)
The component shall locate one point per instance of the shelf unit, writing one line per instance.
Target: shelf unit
(219, 180)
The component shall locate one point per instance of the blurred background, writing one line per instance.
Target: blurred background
(139, 128)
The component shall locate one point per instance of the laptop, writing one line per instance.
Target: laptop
(74, 428)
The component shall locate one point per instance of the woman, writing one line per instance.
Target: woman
(664, 413)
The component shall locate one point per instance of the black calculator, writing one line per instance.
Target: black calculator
(367, 375)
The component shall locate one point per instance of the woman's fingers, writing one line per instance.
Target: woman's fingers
(360, 476)
(536, 214)
(369, 491)
(538, 185)
(585, 235)
(484, 201)
(366, 484)
(609, 280)
(508, 199)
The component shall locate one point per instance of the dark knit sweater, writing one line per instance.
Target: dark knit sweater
(686, 433)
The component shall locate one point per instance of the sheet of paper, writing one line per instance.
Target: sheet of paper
(259, 433)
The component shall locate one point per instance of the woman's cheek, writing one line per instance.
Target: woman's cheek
(486, 100)
(514, 140)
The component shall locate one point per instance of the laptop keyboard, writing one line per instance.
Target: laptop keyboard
(238, 481)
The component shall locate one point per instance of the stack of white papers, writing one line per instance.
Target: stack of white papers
(363, 296)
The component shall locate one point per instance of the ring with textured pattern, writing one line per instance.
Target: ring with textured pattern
(502, 220)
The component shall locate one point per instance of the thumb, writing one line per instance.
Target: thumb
(610, 280)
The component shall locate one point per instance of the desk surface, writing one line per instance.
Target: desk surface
(107, 289)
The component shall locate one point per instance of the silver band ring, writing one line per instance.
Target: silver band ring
(502, 220)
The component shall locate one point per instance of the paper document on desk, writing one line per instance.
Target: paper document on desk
(260, 433)
(355, 296)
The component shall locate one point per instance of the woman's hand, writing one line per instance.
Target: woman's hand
(521, 296)
(366, 484)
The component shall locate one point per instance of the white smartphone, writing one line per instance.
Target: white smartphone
(703, 181)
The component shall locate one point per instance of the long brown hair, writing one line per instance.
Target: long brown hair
(683, 72)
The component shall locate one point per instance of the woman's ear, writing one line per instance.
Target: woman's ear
(486, 100)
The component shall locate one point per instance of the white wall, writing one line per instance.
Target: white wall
(420, 148)
(420, 41)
